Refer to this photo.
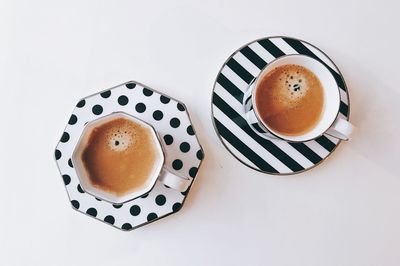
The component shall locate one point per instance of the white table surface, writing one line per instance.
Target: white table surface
(344, 212)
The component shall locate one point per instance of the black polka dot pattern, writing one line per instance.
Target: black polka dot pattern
(57, 154)
(75, 204)
(65, 137)
(130, 85)
(184, 193)
(152, 216)
(176, 207)
(180, 107)
(147, 92)
(164, 99)
(97, 109)
(184, 147)
(109, 219)
(67, 179)
(126, 226)
(79, 188)
(193, 172)
(168, 139)
(200, 155)
(70, 163)
(135, 210)
(183, 154)
(73, 119)
(105, 94)
(177, 164)
(160, 200)
(81, 103)
(190, 130)
(140, 108)
(123, 100)
(158, 115)
(175, 122)
(92, 212)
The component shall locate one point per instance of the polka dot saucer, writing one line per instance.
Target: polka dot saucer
(183, 153)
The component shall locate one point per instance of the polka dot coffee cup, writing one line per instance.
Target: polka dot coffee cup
(120, 141)
(182, 150)
(329, 123)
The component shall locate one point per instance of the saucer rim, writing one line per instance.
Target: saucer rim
(212, 103)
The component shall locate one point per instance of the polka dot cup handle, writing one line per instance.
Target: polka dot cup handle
(173, 181)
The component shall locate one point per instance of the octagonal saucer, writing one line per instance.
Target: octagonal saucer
(183, 153)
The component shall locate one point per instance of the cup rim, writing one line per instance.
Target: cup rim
(136, 119)
(253, 86)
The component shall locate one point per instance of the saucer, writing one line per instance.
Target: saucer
(183, 153)
(246, 143)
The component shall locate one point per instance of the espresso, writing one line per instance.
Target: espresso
(120, 156)
(290, 100)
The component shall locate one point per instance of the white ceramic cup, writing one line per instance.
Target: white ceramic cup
(159, 172)
(329, 122)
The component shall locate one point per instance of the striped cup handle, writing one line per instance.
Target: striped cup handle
(341, 129)
(174, 181)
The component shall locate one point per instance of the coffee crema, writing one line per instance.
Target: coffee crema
(120, 156)
(290, 100)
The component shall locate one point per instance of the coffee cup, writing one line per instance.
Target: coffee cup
(292, 94)
(120, 157)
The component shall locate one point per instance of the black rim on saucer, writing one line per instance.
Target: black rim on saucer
(228, 115)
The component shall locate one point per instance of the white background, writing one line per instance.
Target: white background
(344, 212)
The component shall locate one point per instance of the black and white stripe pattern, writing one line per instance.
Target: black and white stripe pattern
(269, 156)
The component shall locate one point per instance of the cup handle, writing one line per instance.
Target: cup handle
(341, 129)
(174, 181)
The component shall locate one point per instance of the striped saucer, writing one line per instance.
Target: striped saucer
(267, 155)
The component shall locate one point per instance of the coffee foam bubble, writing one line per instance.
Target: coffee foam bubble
(293, 86)
(121, 138)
